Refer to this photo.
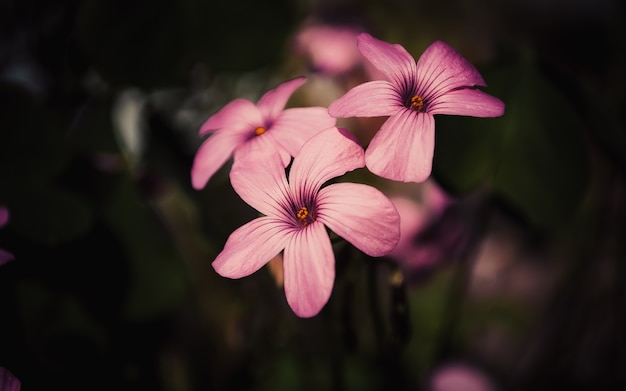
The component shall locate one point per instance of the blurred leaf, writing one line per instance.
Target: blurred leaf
(49, 316)
(428, 306)
(157, 277)
(154, 43)
(48, 215)
(534, 156)
(31, 146)
(136, 42)
(499, 312)
(33, 152)
(93, 131)
(129, 124)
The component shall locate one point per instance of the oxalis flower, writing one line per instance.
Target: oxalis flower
(296, 213)
(266, 128)
(441, 82)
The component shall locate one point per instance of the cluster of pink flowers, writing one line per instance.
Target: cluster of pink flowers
(265, 139)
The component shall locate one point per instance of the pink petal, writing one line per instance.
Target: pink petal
(467, 101)
(327, 155)
(273, 101)
(213, 153)
(295, 126)
(4, 216)
(441, 69)
(460, 376)
(331, 49)
(309, 270)
(435, 198)
(8, 381)
(262, 184)
(403, 148)
(5, 257)
(259, 148)
(391, 59)
(372, 99)
(362, 215)
(240, 113)
(413, 219)
(251, 246)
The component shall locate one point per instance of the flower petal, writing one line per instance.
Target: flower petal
(309, 270)
(362, 215)
(259, 148)
(372, 99)
(391, 59)
(403, 148)
(262, 184)
(4, 216)
(273, 101)
(467, 101)
(238, 114)
(5, 257)
(295, 126)
(327, 155)
(8, 381)
(413, 219)
(251, 246)
(330, 49)
(213, 153)
(441, 69)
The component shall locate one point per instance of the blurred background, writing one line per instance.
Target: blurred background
(513, 265)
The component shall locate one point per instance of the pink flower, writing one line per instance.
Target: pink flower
(417, 217)
(297, 212)
(243, 128)
(330, 49)
(4, 216)
(460, 376)
(8, 382)
(441, 82)
(5, 256)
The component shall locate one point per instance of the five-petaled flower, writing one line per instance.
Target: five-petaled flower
(441, 82)
(296, 213)
(243, 128)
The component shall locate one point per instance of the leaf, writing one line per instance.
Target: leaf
(157, 277)
(534, 156)
(155, 43)
(48, 215)
(31, 147)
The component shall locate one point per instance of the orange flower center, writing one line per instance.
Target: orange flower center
(259, 130)
(417, 102)
(304, 216)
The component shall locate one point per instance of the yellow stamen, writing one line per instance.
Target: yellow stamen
(417, 102)
(302, 214)
(305, 217)
(259, 130)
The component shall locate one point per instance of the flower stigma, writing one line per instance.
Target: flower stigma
(259, 130)
(417, 102)
(305, 217)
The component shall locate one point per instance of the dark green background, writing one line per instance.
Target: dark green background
(112, 288)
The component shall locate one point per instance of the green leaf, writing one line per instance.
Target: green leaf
(31, 146)
(48, 215)
(534, 156)
(157, 277)
(155, 43)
